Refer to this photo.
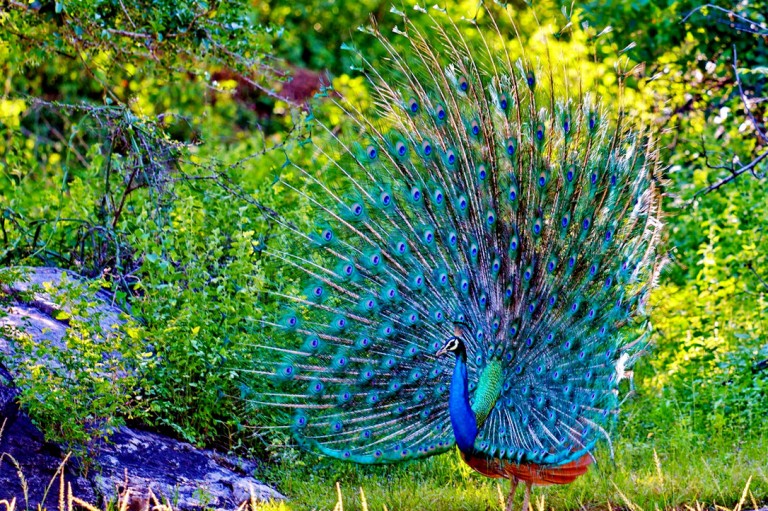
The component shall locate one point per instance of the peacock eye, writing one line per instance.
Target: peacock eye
(475, 128)
(385, 199)
(463, 84)
(440, 112)
(530, 79)
(503, 103)
(413, 105)
(426, 148)
(401, 148)
(415, 194)
(510, 147)
(451, 157)
(371, 152)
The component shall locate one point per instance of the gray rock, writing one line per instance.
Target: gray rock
(34, 310)
(147, 464)
(188, 477)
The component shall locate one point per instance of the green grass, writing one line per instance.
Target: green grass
(669, 469)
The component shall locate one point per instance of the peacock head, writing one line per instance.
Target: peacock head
(453, 345)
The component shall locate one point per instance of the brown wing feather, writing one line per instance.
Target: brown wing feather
(529, 472)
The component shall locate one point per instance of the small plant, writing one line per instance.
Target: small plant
(78, 390)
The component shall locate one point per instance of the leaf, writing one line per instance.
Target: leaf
(62, 315)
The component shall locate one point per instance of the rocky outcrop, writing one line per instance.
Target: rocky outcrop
(139, 465)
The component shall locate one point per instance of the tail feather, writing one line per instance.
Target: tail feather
(478, 199)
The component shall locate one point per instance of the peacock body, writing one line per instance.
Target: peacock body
(483, 215)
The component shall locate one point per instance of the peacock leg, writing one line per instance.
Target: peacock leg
(527, 498)
(513, 482)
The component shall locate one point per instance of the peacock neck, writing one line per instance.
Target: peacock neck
(462, 417)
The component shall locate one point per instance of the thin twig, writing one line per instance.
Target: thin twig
(744, 98)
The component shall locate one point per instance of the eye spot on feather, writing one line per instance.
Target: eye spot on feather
(401, 148)
(463, 84)
(503, 102)
(592, 121)
(415, 194)
(426, 148)
(586, 223)
(371, 152)
(482, 173)
(440, 110)
(474, 128)
(530, 79)
(413, 105)
(510, 147)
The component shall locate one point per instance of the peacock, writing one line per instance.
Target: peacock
(475, 272)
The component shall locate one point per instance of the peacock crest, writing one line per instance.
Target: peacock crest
(482, 210)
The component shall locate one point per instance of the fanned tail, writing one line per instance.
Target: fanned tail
(480, 202)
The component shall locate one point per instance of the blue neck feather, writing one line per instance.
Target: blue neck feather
(462, 416)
